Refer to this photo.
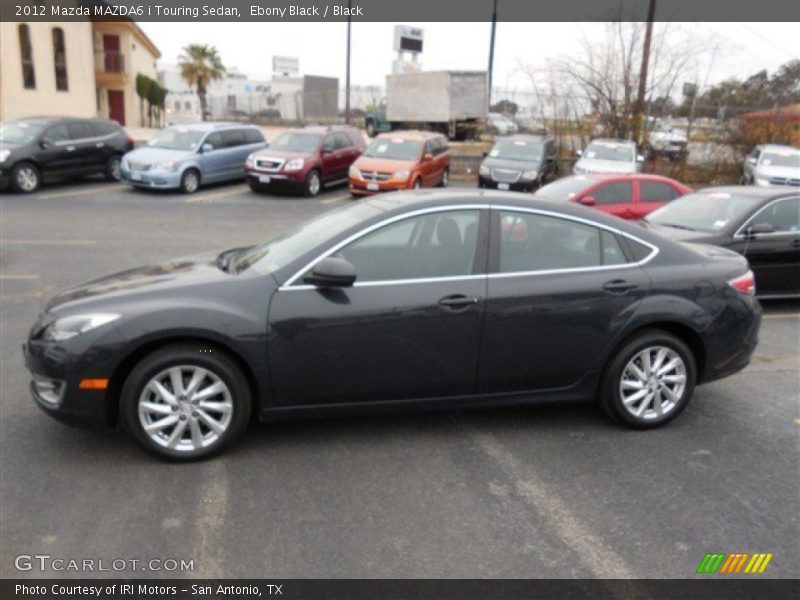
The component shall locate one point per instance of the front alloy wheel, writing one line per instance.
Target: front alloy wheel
(25, 178)
(190, 181)
(313, 184)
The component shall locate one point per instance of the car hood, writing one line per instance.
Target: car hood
(10, 146)
(387, 165)
(515, 165)
(152, 155)
(593, 165)
(775, 171)
(174, 276)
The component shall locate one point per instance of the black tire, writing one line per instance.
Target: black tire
(186, 354)
(25, 178)
(113, 168)
(417, 185)
(610, 396)
(445, 178)
(190, 181)
(310, 189)
(370, 127)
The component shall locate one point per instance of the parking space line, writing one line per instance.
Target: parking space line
(212, 196)
(782, 316)
(47, 242)
(82, 192)
(18, 277)
(335, 199)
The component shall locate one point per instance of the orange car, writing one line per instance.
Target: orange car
(401, 160)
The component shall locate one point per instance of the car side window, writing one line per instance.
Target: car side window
(616, 192)
(253, 136)
(231, 138)
(341, 140)
(56, 134)
(783, 215)
(439, 244)
(653, 191)
(429, 147)
(215, 139)
(532, 242)
(329, 143)
(80, 130)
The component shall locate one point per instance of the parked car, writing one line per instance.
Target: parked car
(401, 160)
(763, 224)
(624, 196)
(771, 164)
(184, 157)
(395, 303)
(519, 163)
(500, 124)
(609, 156)
(668, 141)
(40, 149)
(305, 160)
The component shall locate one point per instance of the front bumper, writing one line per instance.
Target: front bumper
(362, 187)
(57, 369)
(521, 185)
(152, 179)
(293, 181)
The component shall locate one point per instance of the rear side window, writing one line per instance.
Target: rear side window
(232, 138)
(79, 130)
(618, 192)
(532, 242)
(653, 191)
(637, 250)
(57, 133)
(341, 140)
(102, 128)
(215, 139)
(253, 136)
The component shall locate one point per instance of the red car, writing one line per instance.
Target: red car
(305, 159)
(626, 196)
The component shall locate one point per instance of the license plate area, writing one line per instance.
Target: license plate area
(503, 186)
(263, 179)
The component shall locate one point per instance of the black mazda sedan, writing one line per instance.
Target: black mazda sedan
(416, 300)
(761, 223)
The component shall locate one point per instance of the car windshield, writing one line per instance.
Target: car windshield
(609, 151)
(21, 132)
(703, 211)
(781, 159)
(177, 138)
(296, 142)
(394, 148)
(517, 150)
(280, 252)
(566, 188)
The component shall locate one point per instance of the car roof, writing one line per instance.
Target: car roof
(614, 141)
(214, 126)
(778, 147)
(410, 134)
(326, 128)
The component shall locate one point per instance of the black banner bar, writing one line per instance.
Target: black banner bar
(398, 11)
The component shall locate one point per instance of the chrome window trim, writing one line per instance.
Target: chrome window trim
(741, 236)
(654, 249)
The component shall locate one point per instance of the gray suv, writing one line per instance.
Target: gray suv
(771, 164)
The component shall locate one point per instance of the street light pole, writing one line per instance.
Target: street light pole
(347, 73)
(639, 108)
(491, 51)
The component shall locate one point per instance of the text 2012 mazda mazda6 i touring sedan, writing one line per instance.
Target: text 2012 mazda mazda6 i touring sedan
(413, 300)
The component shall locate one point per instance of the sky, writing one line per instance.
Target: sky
(742, 48)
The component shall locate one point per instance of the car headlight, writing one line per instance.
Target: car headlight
(165, 166)
(354, 172)
(251, 160)
(530, 174)
(762, 181)
(484, 171)
(294, 165)
(401, 175)
(4, 155)
(68, 327)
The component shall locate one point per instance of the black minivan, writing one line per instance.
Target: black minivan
(519, 163)
(38, 149)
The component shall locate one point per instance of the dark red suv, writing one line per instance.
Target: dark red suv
(305, 159)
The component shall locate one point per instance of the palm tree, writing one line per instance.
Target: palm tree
(200, 65)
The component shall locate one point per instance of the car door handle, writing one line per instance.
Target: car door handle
(99, 144)
(619, 286)
(70, 148)
(458, 301)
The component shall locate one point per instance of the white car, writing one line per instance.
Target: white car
(609, 156)
(771, 164)
(501, 124)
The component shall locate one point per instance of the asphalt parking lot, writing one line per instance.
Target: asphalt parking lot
(548, 491)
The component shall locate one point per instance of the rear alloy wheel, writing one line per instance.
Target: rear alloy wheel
(25, 178)
(650, 380)
(190, 181)
(313, 184)
(185, 403)
(114, 168)
(445, 178)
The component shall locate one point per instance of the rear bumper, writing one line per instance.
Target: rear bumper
(730, 344)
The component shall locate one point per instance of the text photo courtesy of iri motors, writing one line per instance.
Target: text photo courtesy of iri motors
(399, 300)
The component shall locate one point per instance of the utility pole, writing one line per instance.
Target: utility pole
(639, 107)
(347, 73)
(491, 51)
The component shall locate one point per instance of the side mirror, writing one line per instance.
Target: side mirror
(428, 156)
(579, 152)
(206, 148)
(752, 160)
(587, 201)
(332, 272)
(45, 144)
(759, 229)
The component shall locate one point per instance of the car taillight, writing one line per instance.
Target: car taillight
(744, 284)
